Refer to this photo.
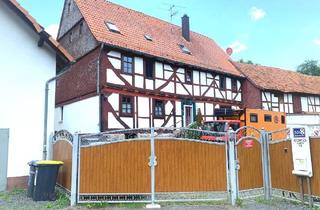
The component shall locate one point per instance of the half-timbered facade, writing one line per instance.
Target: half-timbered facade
(139, 71)
(142, 92)
(281, 90)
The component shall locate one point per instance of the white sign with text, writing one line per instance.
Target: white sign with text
(302, 165)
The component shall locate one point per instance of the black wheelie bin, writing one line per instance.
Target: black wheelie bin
(42, 179)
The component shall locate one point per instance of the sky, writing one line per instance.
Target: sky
(275, 33)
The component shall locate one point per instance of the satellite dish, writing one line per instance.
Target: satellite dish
(229, 51)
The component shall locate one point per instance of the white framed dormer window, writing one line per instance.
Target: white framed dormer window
(112, 27)
(184, 49)
(148, 37)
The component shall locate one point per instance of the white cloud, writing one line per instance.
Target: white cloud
(53, 30)
(238, 47)
(257, 14)
(316, 41)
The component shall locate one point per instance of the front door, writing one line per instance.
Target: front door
(4, 145)
(188, 115)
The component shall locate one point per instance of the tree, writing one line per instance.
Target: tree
(309, 67)
(245, 62)
(199, 118)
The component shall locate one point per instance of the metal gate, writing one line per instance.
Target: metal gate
(4, 145)
(249, 163)
(155, 164)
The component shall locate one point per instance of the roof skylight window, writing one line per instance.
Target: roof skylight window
(148, 37)
(184, 49)
(112, 27)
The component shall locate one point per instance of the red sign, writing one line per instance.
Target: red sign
(229, 51)
(248, 143)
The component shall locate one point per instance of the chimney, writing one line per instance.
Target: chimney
(186, 27)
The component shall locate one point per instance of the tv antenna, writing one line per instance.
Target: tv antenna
(173, 11)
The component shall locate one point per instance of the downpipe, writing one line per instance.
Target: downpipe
(46, 99)
(98, 87)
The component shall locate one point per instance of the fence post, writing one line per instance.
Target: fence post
(266, 164)
(74, 172)
(152, 164)
(232, 167)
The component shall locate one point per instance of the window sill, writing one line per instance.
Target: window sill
(129, 74)
(125, 115)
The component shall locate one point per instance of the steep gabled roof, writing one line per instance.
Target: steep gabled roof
(166, 37)
(21, 12)
(270, 78)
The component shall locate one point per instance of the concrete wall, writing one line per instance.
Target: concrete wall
(312, 121)
(24, 70)
(306, 119)
(81, 116)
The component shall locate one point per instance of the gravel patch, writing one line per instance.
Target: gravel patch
(17, 200)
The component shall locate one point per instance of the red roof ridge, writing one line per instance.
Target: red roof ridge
(178, 27)
(278, 68)
(159, 19)
(264, 66)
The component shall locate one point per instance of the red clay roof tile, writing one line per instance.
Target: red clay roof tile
(133, 25)
(277, 79)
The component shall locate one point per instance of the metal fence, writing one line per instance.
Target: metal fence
(178, 164)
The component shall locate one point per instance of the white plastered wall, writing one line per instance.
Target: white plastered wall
(24, 70)
(79, 117)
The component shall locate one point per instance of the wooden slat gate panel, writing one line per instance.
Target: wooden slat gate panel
(62, 150)
(250, 173)
(281, 164)
(315, 157)
(185, 166)
(115, 168)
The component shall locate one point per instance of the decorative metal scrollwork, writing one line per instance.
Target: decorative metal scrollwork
(62, 135)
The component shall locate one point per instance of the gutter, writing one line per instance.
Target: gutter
(98, 87)
(45, 123)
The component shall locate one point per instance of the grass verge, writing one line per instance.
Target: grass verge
(240, 203)
(120, 205)
(61, 202)
(270, 202)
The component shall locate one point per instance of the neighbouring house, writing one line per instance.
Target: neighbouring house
(275, 89)
(137, 71)
(28, 60)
